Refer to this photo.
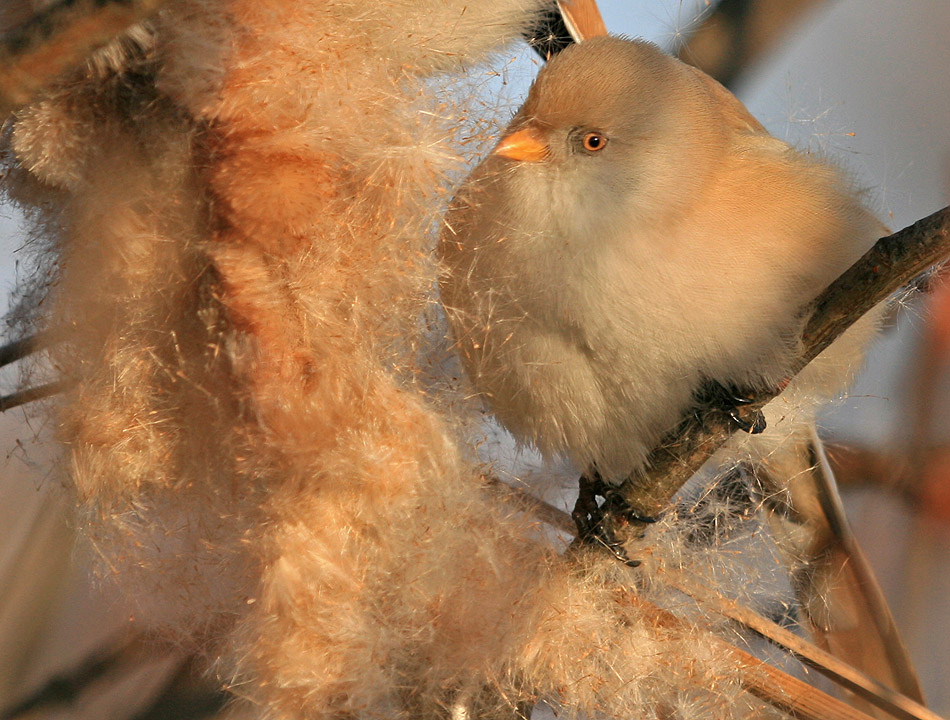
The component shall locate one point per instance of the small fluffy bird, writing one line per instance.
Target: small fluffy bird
(635, 238)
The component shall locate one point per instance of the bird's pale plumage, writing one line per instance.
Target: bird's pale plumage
(593, 289)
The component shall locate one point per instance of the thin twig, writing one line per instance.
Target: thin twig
(893, 262)
(24, 347)
(562, 24)
(764, 681)
(538, 509)
(843, 674)
(582, 18)
(38, 392)
(59, 39)
(16, 350)
(878, 647)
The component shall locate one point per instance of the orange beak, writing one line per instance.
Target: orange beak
(524, 146)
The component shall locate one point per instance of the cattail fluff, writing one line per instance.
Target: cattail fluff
(237, 202)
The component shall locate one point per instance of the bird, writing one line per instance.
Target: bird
(635, 241)
(638, 244)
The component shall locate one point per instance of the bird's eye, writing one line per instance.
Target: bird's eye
(594, 142)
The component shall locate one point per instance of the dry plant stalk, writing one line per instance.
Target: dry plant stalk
(892, 263)
(779, 689)
(582, 18)
(769, 684)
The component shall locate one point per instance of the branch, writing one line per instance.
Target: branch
(562, 24)
(777, 689)
(32, 394)
(771, 685)
(24, 347)
(891, 264)
(59, 39)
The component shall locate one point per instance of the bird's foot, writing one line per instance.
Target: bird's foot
(753, 427)
(595, 521)
(729, 400)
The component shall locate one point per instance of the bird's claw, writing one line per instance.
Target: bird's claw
(593, 520)
(728, 399)
(753, 427)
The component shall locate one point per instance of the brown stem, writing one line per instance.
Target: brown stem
(892, 263)
(26, 346)
(32, 394)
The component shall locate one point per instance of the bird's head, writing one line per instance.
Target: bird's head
(616, 122)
